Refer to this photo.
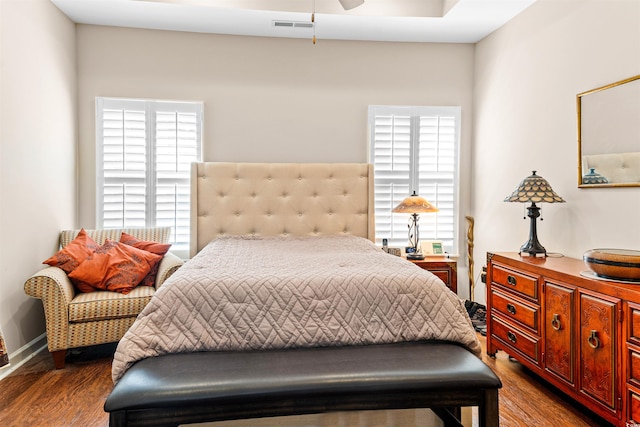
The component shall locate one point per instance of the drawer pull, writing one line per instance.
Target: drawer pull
(593, 340)
(511, 308)
(512, 337)
(512, 280)
(555, 323)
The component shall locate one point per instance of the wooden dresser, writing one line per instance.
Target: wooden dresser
(580, 334)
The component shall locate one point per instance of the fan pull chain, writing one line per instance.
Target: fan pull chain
(313, 22)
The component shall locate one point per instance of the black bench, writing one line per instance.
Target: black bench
(213, 386)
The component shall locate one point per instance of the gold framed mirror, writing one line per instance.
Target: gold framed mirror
(609, 135)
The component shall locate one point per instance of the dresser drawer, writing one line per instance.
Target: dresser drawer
(634, 324)
(444, 275)
(515, 339)
(515, 281)
(513, 309)
(633, 411)
(633, 372)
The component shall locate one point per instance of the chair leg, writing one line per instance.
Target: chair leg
(58, 358)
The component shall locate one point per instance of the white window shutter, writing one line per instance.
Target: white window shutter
(437, 177)
(177, 146)
(392, 166)
(415, 149)
(144, 152)
(122, 166)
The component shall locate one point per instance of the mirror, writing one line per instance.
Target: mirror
(609, 135)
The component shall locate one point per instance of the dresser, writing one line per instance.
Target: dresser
(580, 334)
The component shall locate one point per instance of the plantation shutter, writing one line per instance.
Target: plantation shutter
(144, 152)
(392, 172)
(415, 149)
(437, 164)
(123, 166)
(177, 146)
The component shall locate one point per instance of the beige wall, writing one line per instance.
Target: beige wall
(37, 153)
(269, 100)
(526, 80)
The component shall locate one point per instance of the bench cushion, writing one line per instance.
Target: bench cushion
(188, 379)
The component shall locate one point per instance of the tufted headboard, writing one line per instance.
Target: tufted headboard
(616, 167)
(271, 199)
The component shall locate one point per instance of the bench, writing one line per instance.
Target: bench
(213, 386)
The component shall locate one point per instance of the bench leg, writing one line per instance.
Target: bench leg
(118, 419)
(488, 413)
(456, 411)
(449, 416)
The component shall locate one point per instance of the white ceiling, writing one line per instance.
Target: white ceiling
(443, 21)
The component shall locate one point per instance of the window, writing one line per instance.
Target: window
(415, 149)
(144, 152)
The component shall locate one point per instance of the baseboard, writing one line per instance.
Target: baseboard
(24, 354)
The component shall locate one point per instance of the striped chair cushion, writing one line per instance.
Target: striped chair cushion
(102, 305)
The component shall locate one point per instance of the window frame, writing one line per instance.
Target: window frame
(400, 238)
(151, 108)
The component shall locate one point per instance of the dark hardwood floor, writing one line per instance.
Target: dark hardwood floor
(38, 395)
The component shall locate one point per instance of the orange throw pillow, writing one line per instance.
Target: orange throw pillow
(72, 255)
(114, 267)
(154, 248)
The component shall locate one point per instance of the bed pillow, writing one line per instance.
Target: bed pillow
(114, 267)
(72, 255)
(153, 247)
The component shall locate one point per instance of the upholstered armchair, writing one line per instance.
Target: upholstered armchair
(80, 319)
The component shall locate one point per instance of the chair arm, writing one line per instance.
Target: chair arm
(54, 288)
(50, 282)
(169, 264)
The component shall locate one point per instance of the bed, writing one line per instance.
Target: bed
(283, 260)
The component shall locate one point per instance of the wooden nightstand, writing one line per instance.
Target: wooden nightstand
(445, 268)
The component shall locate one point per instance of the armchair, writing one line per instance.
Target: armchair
(75, 319)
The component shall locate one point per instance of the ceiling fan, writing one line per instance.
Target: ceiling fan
(350, 4)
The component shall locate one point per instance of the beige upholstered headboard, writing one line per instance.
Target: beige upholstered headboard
(616, 167)
(271, 199)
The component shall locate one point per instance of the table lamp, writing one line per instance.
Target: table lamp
(414, 205)
(534, 189)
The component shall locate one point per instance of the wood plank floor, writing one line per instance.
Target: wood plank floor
(38, 395)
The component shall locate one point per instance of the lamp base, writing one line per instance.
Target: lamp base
(533, 246)
(533, 249)
(415, 256)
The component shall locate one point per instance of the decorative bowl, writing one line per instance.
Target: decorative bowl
(623, 264)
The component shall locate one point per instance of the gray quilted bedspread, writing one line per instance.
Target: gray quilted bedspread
(242, 293)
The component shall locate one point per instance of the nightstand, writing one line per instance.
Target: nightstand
(445, 268)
